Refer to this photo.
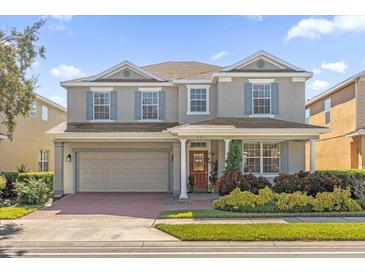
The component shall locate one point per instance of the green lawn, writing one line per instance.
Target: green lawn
(15, 212)
(212, 213)
(266, 232)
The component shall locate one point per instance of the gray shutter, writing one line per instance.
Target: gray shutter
(89, 105)
(137, 104)
(114, 105)
(274, 98)
(162, 105)
(284, 157)
(248, 98)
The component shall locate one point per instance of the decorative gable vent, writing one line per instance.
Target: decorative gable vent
(260, 63)
(126, 73)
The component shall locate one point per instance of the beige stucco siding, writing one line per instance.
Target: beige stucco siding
(29, 138)
(291, 99)
(360, 107)
(333, 149)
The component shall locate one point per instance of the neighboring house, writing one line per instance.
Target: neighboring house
(148, 128)
(31, 145)
(342, 109)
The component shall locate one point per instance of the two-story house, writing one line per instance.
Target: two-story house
(148, 128)
(31, 145)
(342, 109)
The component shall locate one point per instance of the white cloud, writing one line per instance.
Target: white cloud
(336, 66)
(319, 85)
(219, 55)
(317, 27)
(58, 100)
(66, 72)
(62, 18)
(57, 27)
(316, 71)
(257, 18)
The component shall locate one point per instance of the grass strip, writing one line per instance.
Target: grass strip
(8, 213)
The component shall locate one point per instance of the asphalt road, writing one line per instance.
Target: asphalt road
(186, 250)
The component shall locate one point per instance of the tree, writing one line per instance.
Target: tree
(18, 51)
(234, 157)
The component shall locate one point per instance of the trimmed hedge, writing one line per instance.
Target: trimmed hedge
(46, 176)
(9, 191)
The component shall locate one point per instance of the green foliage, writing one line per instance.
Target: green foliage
(213, 176)
(361, 202)
(266, 232)
(234, 157)
(18, 52)
(22, 168)
(7, 213)
(9, 191)
(2, 183)
(32, 191)
(294, 202)
(338, 200)
(47, 177)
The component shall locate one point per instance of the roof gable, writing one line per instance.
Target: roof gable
(262, 61)
(125, 71)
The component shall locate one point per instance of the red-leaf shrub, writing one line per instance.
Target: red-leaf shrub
(227, 182)
(320, 182)
(249, 182)
(288, 183)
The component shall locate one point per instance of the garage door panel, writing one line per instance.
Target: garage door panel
(123, 171)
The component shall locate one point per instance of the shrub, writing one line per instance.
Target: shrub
(361, 202)
(47, 177)
(227, 182)
(287, 183)
(22, 168)
(249, 182)
(294, 202)
(2, 183)
(9, 191)
(320, 182)
(246, 201)
(234, 157)
(32, 191)
(338, 200)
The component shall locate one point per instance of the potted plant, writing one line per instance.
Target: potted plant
(190, 183)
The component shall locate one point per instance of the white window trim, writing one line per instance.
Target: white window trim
(270, 115)
(325, 111)
(307, 111)
(110, 103)
(261, 81)
(33, 110)
(153, 90)
(42, 160)
(42, 113)
(189, 112)
(261, 173)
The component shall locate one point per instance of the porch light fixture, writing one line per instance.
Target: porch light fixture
(68, 158)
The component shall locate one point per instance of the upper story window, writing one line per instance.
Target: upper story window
(33, 110)
(101, 105)
(261, 158)
(198, 100)
(44, 113)
(261, 98)
(150, 106)
(307, 116)
(327, 111)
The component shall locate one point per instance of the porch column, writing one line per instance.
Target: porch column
(58, 169)
(183, 188)
(226, 148)
(312, 160)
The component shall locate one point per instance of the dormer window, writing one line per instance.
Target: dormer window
(198, 100)
(261, 98)
(101, 105)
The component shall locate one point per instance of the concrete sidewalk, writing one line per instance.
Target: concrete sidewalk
(263, 220)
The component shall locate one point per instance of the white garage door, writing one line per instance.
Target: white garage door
(123, 172)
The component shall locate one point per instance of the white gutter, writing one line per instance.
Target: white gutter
(356, 133)
(263, 74)
(53, 104)
(116, 84)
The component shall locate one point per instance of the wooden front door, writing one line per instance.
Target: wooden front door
(199, 169)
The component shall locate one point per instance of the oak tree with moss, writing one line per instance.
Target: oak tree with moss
(18, 52)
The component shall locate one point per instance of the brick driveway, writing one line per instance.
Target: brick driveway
(117, 205)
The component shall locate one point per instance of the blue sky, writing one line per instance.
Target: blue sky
(85, 45)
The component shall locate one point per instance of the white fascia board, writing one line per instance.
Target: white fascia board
(356, 133)
(3, 137)
(112, 135)
(182, 81)
(263, 74)
(258, 54)
(53, 104)
(117, 84)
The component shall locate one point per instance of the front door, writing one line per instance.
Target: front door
(199, 169)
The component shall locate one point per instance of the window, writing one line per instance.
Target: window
(33, 110)
(198, 145)
(307, 116)
(261, 158)
(43, 160)
(150, 105)
(327, 111)
(44, 113)
(198, 100)
(261, 98)
(101, 105)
